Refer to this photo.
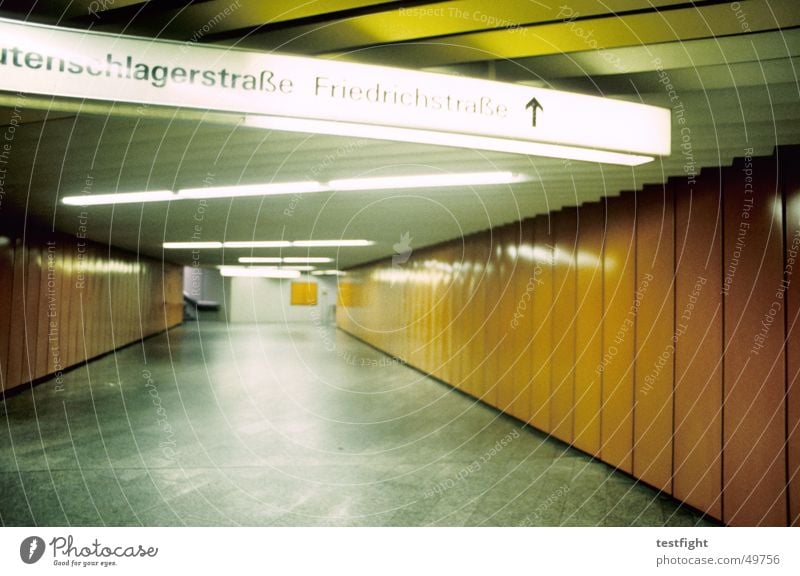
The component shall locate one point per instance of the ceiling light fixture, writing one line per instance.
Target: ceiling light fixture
(257, 272)
(426, 181)
(191, 245)
(258, 244)
(274, 244)
(271, 189)
(287, 260)
(118, 198)
(331, 243)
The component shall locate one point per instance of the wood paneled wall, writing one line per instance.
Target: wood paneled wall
(658, 330)
(64, 300)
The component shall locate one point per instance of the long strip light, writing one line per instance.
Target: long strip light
(257, 272)
(425, 181)
(191, 245)
(284, 188)
(272, 189)
(331, 243)
(269, 244)
(287, 260)
(120, 198)
(258, 244)
(413, 135)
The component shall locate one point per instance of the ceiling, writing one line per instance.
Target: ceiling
(735, 72)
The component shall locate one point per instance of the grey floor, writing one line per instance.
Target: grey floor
(267, 425)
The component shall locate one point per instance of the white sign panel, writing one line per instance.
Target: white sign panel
(62, 62)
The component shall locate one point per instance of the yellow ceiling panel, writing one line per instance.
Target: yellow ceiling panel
(432, 20)
(593, 33)
(236, 14)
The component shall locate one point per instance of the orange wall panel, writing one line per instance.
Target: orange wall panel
(562, 383)
(474, 308)
(790, 167)
(542, 349)
(619, 282)
(589, 327)
(492, 329)
(754, 462)
(655, 319)
(522, 323)
(697, 476)
(506, 354)
(606, 327)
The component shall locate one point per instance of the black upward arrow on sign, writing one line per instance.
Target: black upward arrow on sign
(534, 105)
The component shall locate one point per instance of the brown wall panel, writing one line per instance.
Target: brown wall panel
(476, 345)
(619, 281)
(697, 473)
(655, 318)
(47, 296)
(43, 324)
(506, 356)
(56, 313)
(790, 167)
(6, 310)
(492, 329)
(589, 327)
(16, 333)
(754, 462)
(32, 293)
(562, 383)
(522, 323)
(542, 349)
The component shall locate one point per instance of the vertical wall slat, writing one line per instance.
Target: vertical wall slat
(697, 476)
(6, 302)
(619, 281)
(562, 383)
(522, 323)
(754, 464)
(541, 352)
(790, 176)
(507, 352)
(589, 327)
(655, 317)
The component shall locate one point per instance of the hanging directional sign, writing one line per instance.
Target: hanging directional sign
(470, 112)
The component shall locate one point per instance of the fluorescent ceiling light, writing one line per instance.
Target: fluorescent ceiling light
(425, 181)
(260, 260)
(455, 140)
(347, 184)
(258, 244)
(307, 260)
(272, 189)
(191, 245)
(119, 198)
(301, 267)
(257, 272)
(327, 273)
(274, 244)
(288, 260)
(331, 243)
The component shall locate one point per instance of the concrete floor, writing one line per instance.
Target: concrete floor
(268, 425)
